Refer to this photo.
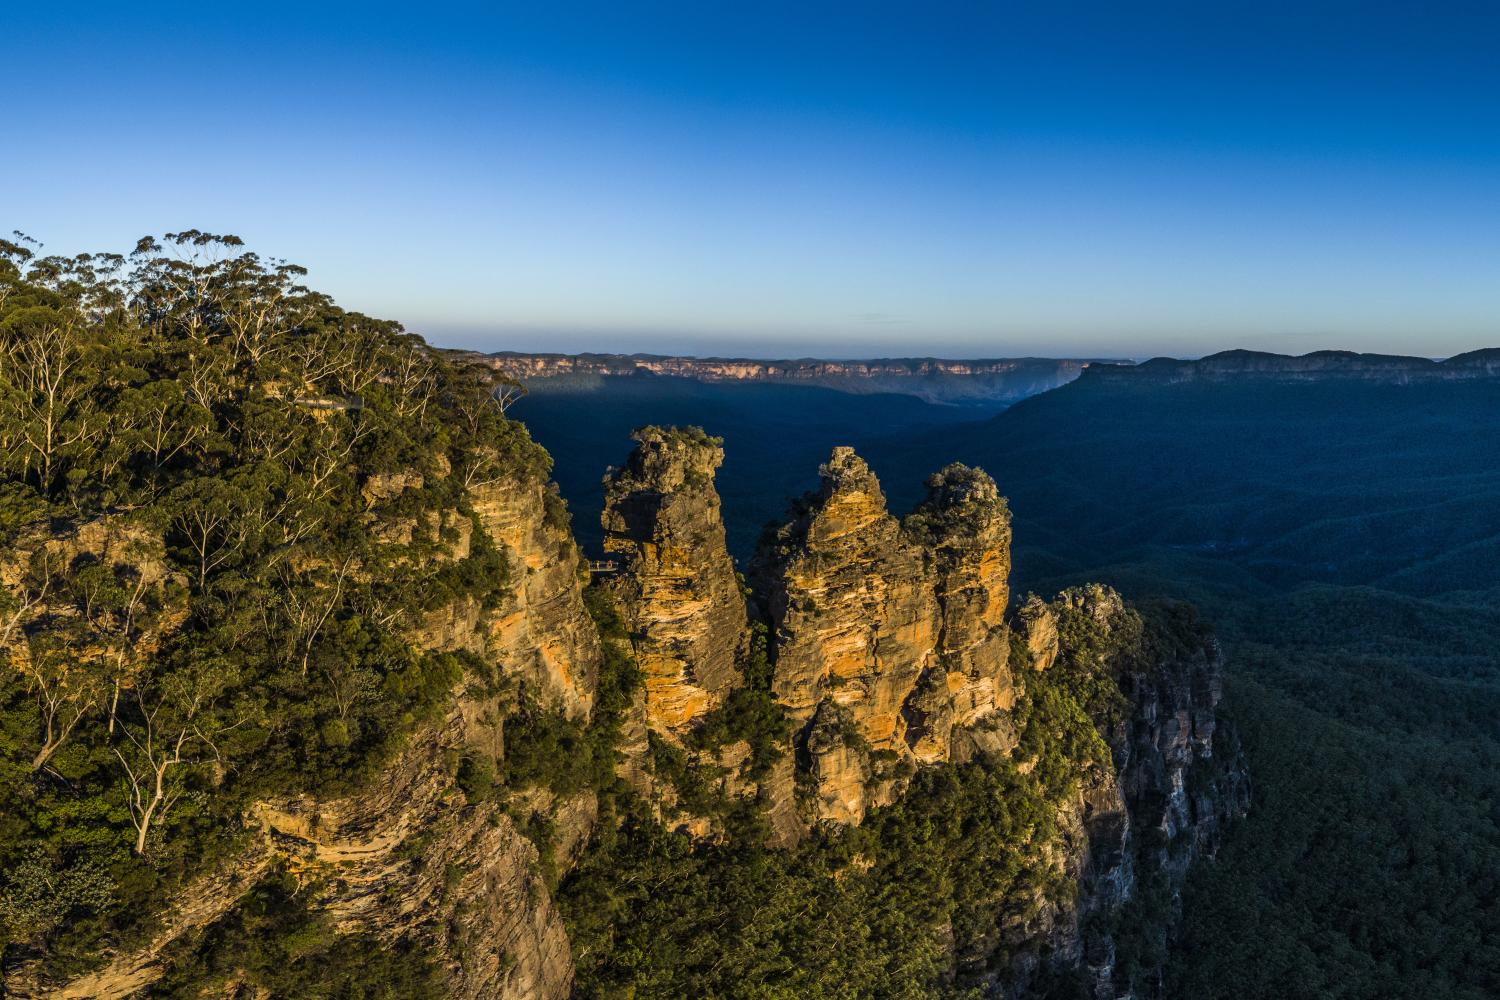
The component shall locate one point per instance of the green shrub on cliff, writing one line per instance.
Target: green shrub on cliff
(274, 944)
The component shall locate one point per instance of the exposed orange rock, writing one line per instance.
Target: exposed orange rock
(540, 632)
(681, 600)
(900, 625)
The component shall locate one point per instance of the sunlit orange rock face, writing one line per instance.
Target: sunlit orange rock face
(888, 633)
(855, 615)
(540, 630)
(679, 594)
(964, 526)
(889, 636)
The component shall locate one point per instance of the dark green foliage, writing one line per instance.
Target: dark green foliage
(272, 942)
(478, 778)
(698, 784)
(482, 575)
(619, 677)
(1367, 866)
(851, 913)
(555, 511)
(750, 713)
(544, 748)
(1341, 536)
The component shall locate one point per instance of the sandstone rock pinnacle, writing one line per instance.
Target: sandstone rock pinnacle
(681, 600)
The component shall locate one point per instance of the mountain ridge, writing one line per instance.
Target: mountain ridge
(984, 382)
(1315, 365)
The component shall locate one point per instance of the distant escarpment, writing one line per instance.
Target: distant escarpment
(1317, 366)
(982, 382)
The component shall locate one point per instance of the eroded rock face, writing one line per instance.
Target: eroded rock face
(839, 767)
(892, 650)
(679, 594)
(409, 858)
(472, 889)
(1038, 627)
(540, 630)
(964, 525)
(1158, 810)
(853, 611)
(899, 624)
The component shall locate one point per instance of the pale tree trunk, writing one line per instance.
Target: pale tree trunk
(147, 793)
(55, 739)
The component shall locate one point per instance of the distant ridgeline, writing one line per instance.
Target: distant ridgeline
(1316, 366)
(992, 383)
(1338, 517)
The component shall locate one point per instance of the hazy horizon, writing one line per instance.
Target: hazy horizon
(795, 350)
(957, 180)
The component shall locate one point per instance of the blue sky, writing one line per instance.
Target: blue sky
(772, 179)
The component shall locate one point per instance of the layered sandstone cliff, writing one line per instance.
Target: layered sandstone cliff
(410, 859)
(887, 634)
(964, 526)
(851, 603)
(540, 630)
(1134, 828)
(994, 382)
(892, 647)
(678, 590)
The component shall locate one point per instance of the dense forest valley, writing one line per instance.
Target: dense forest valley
(311, 692)
(1341, 532)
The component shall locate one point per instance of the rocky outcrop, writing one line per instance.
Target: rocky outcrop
(406, 860)
(411, 860)
(1038, 629)
(838, 762)
(964, 525)
(776, 796)
(851, 603)
(1139, 825)
(900, 625)
(679, 594)
(126, 974)
(892, 649)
